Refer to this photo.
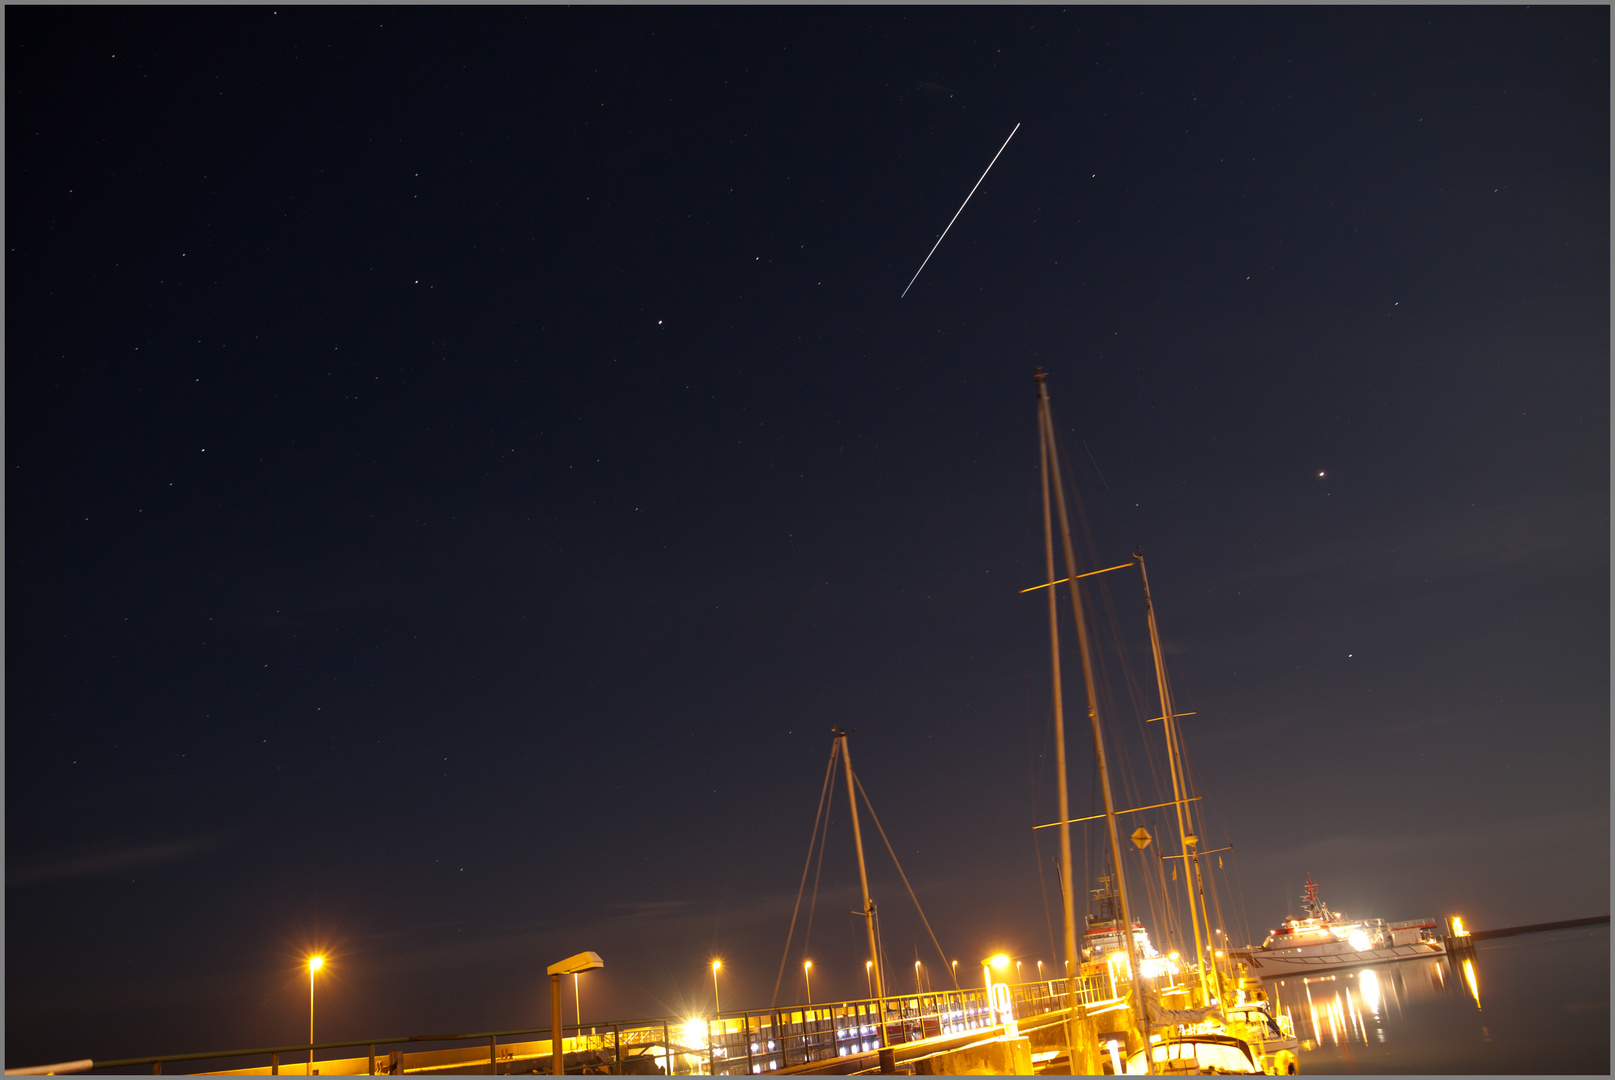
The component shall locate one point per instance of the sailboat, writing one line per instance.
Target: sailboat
(1175, 1044)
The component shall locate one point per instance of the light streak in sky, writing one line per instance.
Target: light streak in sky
(956, 214)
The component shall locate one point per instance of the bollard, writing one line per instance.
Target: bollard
(888, 1059)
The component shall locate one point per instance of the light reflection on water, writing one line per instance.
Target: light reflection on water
(1536, 1003)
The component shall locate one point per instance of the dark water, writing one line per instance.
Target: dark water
(1536, 1003)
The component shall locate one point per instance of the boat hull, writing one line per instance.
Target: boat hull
(1280, 963)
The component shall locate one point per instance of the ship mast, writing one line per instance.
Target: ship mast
(1051, 478)
(1073, 958)
(863, 880)
(1180, 793)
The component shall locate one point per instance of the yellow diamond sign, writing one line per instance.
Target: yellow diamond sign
(1142, 837)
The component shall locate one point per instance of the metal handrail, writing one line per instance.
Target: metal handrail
(901, 1011)
(88, 1064)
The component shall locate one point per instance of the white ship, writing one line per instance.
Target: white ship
(1328, 940)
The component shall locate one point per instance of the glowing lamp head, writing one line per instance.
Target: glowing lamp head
(999, 961)
(716, 964)
(1458, 926)
(868, 964)
(316, 962)
(807, 964)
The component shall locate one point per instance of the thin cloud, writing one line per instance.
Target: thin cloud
(102, 864)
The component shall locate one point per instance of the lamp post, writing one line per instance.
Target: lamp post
(999, 961)
(577, 1002)
(807, 973)
(315, 963)
(716, 1003)
(868, 978)
(583, 961)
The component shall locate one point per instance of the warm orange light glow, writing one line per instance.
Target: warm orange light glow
(716, 964)
(808, 964)
(316, 962)
(1469, 977)
(1458, 927)
(999, 961)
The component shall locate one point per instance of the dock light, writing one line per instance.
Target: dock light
(869, 977)
(1458, 927)
(315, 963)
(583, 961)
(717, 1006)
(1115, 1059)
(807, 973)
(997, 960)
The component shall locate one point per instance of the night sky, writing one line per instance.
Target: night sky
(460, 464)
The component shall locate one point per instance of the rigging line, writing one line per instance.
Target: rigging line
(818, 871)
(956, 214)
(1239, 885)
(876, 819)
(817, 815)
(1043, 891)
(1037, 764)
(1095, 465)
(1129, 677)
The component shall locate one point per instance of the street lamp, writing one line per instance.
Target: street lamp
(869, 978)
(315, 963)
(1001, 962)
(1017, 971)
(583, 961)
(717, 1005)
(807, 973)
(918, 989)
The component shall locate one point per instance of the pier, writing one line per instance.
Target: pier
(838, 1037)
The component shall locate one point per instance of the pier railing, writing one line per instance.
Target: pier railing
(751, 1041)
(767, 1040)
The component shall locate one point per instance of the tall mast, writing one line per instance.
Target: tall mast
(1073, 958)
(863, 881)
(1179, 792)
(1052, 457)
